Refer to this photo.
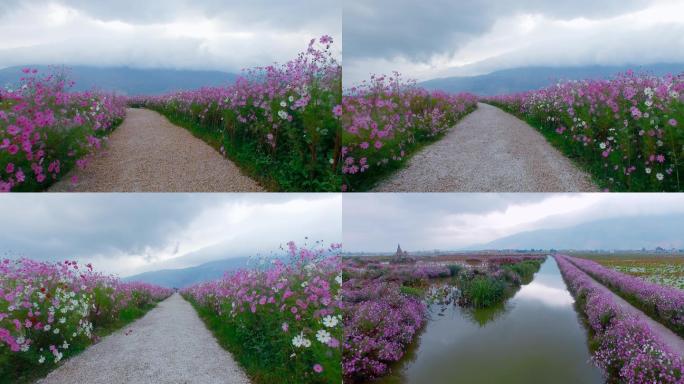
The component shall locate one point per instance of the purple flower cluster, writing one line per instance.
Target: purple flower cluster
(45, 129)
(627, 349)
(384, 118)
(665, 304)
(380, 323)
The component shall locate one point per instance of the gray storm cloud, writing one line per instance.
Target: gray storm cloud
(126, 233)
(376, 222)
(182, 34)
(441, 37)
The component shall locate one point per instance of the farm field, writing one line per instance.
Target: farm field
(462, 318)
(660, 269)
(407, 323)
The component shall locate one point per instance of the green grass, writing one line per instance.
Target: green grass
(261, 351)
(412, 291)
(25, 370)
(525, 269)
(483, 291)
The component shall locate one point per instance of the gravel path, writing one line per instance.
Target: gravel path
(149, 154)
(489, 151)
(170, 344)
(664, 334)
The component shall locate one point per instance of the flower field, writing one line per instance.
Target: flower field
(663, 271)
(52, 311)
(280, 123)
(45, 130)
(282, 322)
(627, 132)
(664, 304)
(385, 120)
(386, 305)
(625, 348)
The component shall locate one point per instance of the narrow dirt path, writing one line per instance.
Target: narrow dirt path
(489, 151)
(664, 334)
(170, 344)
(149, 154)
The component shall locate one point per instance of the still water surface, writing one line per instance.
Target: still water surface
(535, 337)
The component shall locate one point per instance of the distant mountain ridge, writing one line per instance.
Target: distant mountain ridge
(128, 81)
(531, 78)
(650, 232)
(185, 277)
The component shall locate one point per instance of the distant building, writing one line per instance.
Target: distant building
(401, 257)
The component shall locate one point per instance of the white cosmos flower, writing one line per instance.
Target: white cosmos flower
(659, 176)
(300, 341)
(602, 145)
(291, 98)
(648, 170)
(41, 359)
(283, 104)
(338, 278)
(330, 321)
(323, 336)
(282, 114)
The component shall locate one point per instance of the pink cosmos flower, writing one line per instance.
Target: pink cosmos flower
(672, 122)
(318, 368)
(337, 111)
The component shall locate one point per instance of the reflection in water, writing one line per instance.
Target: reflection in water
(535, 337)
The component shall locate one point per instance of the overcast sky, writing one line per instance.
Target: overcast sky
(189, 34)
(438, 38)
(132, 233)
(377, 222)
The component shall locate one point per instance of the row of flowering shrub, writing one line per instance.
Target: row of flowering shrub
(45, 130)
(386, 305)
(664, 304)
(51, 310)
(280, 123)
(386, 119)
(625, 347)
(626, 131)
(282, 321)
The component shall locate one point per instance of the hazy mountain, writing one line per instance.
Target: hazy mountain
(128, 81)
(184, 277)
(621, 233)
(531, 78)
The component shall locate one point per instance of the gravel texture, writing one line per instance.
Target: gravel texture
(489, 151)
(170, 344)
(664, 334)
(149, 154)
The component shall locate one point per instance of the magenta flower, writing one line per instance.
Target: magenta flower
(318, 368)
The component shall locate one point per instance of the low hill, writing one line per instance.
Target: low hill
(128, 81)
(531, 78)
(184, 277)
